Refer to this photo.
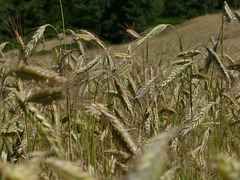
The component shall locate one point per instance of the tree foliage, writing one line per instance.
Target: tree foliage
(106, 18)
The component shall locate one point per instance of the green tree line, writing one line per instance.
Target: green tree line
(107, 18)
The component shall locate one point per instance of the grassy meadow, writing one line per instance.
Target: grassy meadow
(163, 106)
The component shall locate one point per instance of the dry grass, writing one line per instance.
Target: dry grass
(144, 110)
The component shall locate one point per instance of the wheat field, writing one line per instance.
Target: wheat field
(163, 106)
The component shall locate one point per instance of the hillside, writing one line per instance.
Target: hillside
(194, 33)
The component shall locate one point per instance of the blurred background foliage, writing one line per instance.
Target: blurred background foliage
(106, 18)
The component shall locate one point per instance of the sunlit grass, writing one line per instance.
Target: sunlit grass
(142, 110)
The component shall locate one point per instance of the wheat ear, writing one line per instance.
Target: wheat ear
(19, 172)
(123, 62)
(41, 123)
(234, 66)
(120, 55)
(36, 73)
(21, 43)
(110, 60)
(78, 42)
(46, 96)
(117, 153)
(150, 164)
(132, 86)
(227, 167)
(124, 95)
(2, 46)
(188, 54)
(99, 109)
(237, 15)
(174, 75)
(90, 65)
(95, 39)
(66, 170)
(219, 64)
(229, 59)
(196, 120)
(232, 101)
(151, 34)
(169, 174)
(35, 39)
(181, 62)
(133, 33)
(144, 88)
(227, 12)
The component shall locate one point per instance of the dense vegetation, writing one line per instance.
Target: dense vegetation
(85, 114)
(104, 17)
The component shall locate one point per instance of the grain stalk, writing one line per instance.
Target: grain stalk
(151, 34)
(99, 109)
(227, 167)
(19, 172)
(63, 24)
(1, 117)
(196, 120)
(38, 74)
(41, 123)
(31, 45)
(176, 73)
(66, 170)
(150, 164)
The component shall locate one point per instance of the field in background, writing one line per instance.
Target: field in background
(163, 106)
(194, 32)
